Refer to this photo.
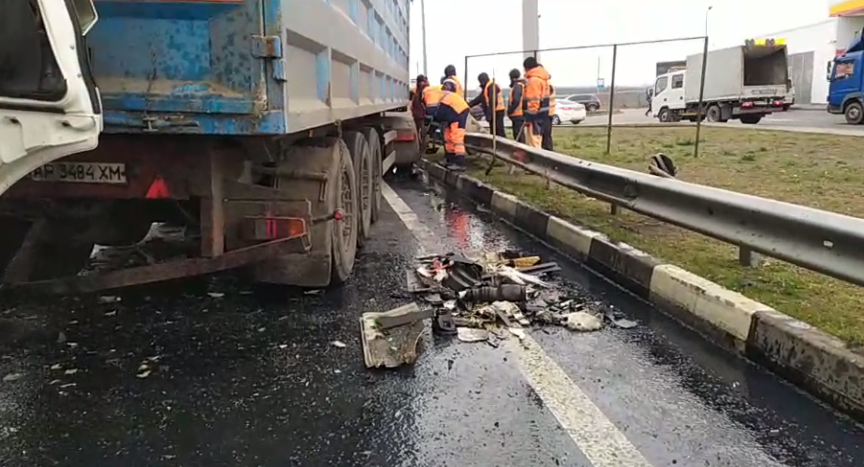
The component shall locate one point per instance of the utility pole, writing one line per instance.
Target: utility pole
(530, 27)
(423, 31)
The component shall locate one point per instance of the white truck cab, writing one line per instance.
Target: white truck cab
(49, 103)
(668, 96)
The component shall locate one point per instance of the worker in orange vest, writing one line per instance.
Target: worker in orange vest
(451, 82)
(535, 101)
(492, 102)
(451, 111)
(514, 104)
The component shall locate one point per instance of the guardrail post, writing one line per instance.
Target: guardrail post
(613, 209)
(748, 257)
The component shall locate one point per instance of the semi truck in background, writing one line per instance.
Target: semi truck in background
(744, 82)
(260, 129)
(845, 87)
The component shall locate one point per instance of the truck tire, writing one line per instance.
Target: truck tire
(750, 119)
(334, 243)
(11, 237)
(714, 114)
(665, 116)
(854, 113)
(51, 249)
(363, 170)
(374, 141)
(345, 232)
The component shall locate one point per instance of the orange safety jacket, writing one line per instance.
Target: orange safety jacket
(432, 96)
(537, 93)
(454, 101)
(517, 112)
(487, 96)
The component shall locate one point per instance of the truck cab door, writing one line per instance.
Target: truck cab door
(49, 102)
(661, 95)
(845, 80)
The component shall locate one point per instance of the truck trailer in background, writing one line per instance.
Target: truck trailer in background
(261, 129)
(743, 82)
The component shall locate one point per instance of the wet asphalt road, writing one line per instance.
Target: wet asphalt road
(173, 376)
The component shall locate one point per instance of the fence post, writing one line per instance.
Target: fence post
(701, 112)
(611, 99)
(465, 80)
(747, 257)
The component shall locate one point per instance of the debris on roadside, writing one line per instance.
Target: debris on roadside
(390, 338)
(497, 295)
(338, 344)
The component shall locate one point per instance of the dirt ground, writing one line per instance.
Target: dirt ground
(821, 171)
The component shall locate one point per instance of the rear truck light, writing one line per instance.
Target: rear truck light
(746, 104)
(406, 135)
(264, 228)
(158, 189)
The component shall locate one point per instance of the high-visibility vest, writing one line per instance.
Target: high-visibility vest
(456, 83)
(454, 101)
(432, 96)
(487, 91)
(518, 111)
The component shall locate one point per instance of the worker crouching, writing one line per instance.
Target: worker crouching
(450, 111)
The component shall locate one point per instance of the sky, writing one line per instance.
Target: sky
(456, 28)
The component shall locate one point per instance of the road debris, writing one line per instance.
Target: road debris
(12, 377)
(390, 338)
(499, 294)
(338, 344)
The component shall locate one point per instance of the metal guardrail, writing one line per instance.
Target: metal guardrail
(822, 241)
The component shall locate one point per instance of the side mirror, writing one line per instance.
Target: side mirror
(87, 15)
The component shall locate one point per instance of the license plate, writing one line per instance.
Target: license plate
(81, 172)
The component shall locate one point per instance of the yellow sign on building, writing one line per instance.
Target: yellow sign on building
(847, 8)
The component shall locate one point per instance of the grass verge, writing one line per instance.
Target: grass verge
(821, 171)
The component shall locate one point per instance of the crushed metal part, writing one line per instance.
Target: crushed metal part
(390, 338)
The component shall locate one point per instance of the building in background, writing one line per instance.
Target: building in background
(811, 49)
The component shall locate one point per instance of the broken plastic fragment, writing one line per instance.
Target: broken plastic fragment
(582, 322)
(339, 344)
(215, 294)
(472, 335)
(12, 377)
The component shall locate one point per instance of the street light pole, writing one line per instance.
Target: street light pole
(423, 31)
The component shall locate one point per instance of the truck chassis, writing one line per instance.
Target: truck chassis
(290, 211)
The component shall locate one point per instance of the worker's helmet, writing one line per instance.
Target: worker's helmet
(515, 74)
(530, 63)
(450, 70)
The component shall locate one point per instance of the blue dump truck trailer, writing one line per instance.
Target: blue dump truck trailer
(261, 129)
(846, 87)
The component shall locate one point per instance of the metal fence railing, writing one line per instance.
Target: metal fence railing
(821, 241)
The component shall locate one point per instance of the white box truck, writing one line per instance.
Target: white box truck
(743, 82)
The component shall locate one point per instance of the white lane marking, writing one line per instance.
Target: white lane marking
(595, 435)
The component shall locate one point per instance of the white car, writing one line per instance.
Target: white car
(567, 111)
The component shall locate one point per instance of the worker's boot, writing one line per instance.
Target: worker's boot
(448, 159)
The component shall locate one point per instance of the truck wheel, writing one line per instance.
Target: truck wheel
(49, 251)
(854, 113)
(374, 141)
(11, 237)
(334, 243)
(664, 116)
(714, 114)
(345, 232)
(363, 170)
(750, 119)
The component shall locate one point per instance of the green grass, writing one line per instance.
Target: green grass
(821, 171)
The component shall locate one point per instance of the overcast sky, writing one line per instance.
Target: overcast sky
(452, 32)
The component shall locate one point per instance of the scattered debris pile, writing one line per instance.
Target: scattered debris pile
(483, 299)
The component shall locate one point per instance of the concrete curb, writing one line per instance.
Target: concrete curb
(805, 356)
